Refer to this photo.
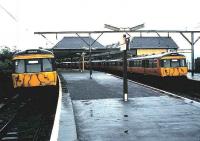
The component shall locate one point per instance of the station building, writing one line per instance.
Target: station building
(141, 46)
(152, 45)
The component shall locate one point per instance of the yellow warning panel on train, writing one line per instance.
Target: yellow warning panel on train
(33, 68)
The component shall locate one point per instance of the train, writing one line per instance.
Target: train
(197, 64)
(170, 64)
(162, 65)
(34, 68)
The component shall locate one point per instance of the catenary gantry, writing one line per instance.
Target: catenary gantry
(191, 41)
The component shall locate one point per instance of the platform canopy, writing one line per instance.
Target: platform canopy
(70, 47)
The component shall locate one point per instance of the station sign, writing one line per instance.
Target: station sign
(122, 43)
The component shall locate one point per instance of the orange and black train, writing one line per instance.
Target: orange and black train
(163, 65)
(34, 68)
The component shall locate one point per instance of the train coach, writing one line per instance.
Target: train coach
(34, 68)
(162, 65)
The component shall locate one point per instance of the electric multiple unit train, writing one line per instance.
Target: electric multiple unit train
(34, 68)
(161, 65)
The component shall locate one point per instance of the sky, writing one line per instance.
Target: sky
(21, 18)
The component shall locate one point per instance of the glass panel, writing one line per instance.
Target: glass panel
(47, 65)
(174, 63)
(141, 63)
(150, 63)
(166, 63)
(19, 66)
(131, 63)
(146, 63)
(33, 65)
(182, 63)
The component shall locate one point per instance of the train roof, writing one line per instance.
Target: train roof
(33, 51)
(157, 56)
(114, 60)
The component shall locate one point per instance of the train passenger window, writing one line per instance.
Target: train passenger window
(33, 65)
(165, 63)
(137, 63)
(150, 64)
(134, 63)
(19, 66)
(183, 63)
(47, 65)
(174, 63)
(143, 63)
(154, 63)
(146, 65)
(140, 63)
(131, 64)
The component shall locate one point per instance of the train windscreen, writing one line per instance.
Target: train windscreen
(33, 65)
(168, 63)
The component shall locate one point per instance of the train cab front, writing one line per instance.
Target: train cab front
(173, 68)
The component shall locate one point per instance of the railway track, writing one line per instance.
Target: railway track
(6, 101)
(9, 114)
(31, 120)
(181, 86)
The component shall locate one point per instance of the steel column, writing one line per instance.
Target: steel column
(192, 55)
(125, 81)
(83, 61)
(90, 59)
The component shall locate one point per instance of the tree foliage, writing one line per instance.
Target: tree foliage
(5, 59)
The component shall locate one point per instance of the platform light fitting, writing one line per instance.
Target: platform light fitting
(136, 27)
(111, 27)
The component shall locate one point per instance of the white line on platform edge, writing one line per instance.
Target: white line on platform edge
(55, 130)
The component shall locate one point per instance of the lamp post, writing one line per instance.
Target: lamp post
(125, 81)
(90, 59)
(83, 61)
(124, 48)
(79, 59)
(90, 55)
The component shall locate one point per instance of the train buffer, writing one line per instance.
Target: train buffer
(99, 113)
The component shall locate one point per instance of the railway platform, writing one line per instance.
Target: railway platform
(93, 110)
(196, 76)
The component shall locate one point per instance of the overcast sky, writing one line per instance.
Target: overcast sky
(20, 18)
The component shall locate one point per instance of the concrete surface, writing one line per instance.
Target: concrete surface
(195, 77)
(149, 115)
(64, 128)
(102, 86)
(67, 128)
(141, 119)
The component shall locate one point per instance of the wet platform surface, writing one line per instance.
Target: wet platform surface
(101, 115)
(101, 86)
(67, 128)
(144, 119)
(195, 77)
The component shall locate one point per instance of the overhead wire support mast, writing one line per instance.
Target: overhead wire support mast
(125, 49)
